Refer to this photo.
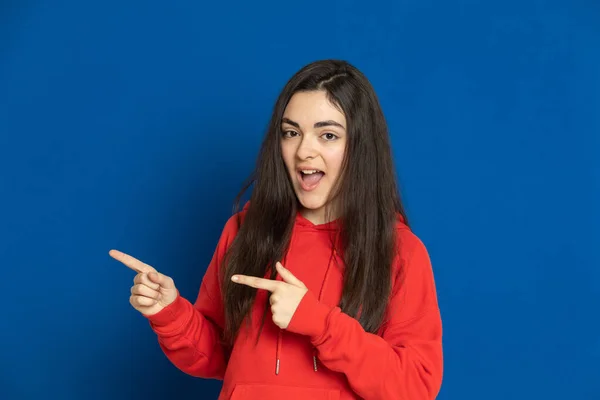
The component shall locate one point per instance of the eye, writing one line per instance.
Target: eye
(330, 136)
(290, 134)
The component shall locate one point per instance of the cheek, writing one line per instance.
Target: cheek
(287, 153)
(335, 158)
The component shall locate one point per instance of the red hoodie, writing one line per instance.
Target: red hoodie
(323, 354)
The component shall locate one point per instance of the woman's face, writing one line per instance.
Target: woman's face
(313, 147)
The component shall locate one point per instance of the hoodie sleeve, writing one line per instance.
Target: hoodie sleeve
(189, 334)
(404, 361)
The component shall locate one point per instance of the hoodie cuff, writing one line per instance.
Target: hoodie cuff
(171, 317)
(310, 318)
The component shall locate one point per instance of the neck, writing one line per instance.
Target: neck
(319, 216)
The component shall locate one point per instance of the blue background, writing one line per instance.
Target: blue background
(131, 125)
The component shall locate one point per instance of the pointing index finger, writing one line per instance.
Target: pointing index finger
(255, 282)
(131, 262)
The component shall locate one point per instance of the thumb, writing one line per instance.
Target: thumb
(164, 281)
(288, 277)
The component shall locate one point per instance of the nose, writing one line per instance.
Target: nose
(307, 148)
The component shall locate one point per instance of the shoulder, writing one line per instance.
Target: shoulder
(412, 260)
(232, 226)
(407, 242)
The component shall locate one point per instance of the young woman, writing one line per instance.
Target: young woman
(318, 289)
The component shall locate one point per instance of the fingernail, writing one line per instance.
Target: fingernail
(234, 278)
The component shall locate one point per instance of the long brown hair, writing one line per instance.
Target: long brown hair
(367, 202)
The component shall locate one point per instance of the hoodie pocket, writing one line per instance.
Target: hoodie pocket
(276, 392)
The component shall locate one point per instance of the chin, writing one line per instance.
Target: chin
(311, 203)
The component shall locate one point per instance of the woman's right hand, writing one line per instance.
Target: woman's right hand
(151, 291)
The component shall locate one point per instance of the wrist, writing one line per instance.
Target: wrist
(310, 318)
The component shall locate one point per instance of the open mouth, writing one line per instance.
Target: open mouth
(310, 178)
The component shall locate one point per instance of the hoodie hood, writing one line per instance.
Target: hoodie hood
(328, 226)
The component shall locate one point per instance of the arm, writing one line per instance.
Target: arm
(405, 362)
(189, 334)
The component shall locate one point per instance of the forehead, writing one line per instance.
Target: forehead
(310, 107)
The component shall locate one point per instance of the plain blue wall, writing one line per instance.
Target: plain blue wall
(132, 125)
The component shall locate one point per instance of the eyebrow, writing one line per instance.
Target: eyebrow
(319, 124)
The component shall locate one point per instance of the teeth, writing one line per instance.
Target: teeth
(309, 171)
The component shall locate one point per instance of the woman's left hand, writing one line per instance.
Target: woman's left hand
(285, 295)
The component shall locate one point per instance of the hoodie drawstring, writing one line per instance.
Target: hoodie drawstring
(278, 351)
(321, 291)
